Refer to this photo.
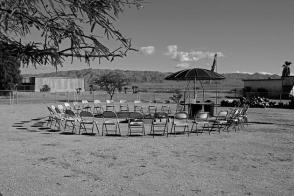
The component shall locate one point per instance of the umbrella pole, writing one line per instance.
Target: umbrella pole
(195, 88)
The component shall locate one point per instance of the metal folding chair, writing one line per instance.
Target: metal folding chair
(110, 123)
(180, 120)
(87, 118)
(159, 123)
(136, 123)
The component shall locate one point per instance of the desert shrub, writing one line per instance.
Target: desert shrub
(45, 88)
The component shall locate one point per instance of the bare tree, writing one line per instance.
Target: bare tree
(66, 28)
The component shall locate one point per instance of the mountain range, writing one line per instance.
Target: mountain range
(148, 79)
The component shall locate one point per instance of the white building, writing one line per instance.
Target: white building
(56, 84)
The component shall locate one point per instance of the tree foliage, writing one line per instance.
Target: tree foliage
(9, 71)
(66, 28)
(111, 82)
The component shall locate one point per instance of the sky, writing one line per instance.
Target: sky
(248, 36)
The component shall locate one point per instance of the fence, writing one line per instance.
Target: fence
(23, 97)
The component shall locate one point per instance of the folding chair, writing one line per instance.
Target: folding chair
(200, 119)
(234, 119)
(59, 117)
(152, 110)
(110, 123)
(217, 123)
(160, 123)
(76, 107)
(61, 108)
(123, 106)
(110, 105)
(67, 106)
(87, 118)
(166, 109)
(244, 116)
(136, 123)
(180, 120)
(86, 106)
(70, 117)
(51, 117)
(138, 107)
(97, 109)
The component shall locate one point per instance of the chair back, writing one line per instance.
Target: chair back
(66, 105)
(109, 101)
(109, 114)
(181, 116)
(60, 107)
(70, 113)
(122, 101)
(202, 116)
(86, 114)
(161, 117)
(137, 102)
(51, 111)
(136, 115)
(97, 102)
(222, 115)
(165, 108)
(152, 109)
(180, 108)
(85, 101)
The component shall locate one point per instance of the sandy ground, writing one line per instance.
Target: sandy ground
(257, 160)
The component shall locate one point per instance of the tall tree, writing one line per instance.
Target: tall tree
(66, 28)
(9, 70)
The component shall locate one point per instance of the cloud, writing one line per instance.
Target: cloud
(192, 56)
(147, 50)
(183, 65)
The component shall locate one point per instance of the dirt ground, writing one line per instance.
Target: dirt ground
(257, 160)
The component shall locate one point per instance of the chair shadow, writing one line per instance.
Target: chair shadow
(112, 135)
(89, 134)
(156, 134)
(21, 128)
(67, 133)
(45, 128)
(177, 133)
(136, 135)
(18, 125)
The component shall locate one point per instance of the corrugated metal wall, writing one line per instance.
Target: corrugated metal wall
(60, 84)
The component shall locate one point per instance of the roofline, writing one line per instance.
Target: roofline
(262, 79)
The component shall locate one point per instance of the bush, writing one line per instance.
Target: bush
(45, 88)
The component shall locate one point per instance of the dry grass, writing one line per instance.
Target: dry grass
(257, 160)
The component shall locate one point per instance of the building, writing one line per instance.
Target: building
(271, 88)
(56, 84)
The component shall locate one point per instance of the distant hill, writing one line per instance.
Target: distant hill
(147, 79)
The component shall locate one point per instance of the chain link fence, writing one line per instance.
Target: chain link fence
(23, 97)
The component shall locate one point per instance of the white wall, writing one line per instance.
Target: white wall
(60, 84)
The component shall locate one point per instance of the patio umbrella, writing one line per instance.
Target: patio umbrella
(195, 74)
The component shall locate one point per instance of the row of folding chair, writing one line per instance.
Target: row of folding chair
(235, 119)
(61, 118)
(98, 107)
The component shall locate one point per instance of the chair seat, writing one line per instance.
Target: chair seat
(178, 124)
(200, 122)
(159, 123)
(136, 123)
(71, 119)
(221, 121)
(110, 122)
